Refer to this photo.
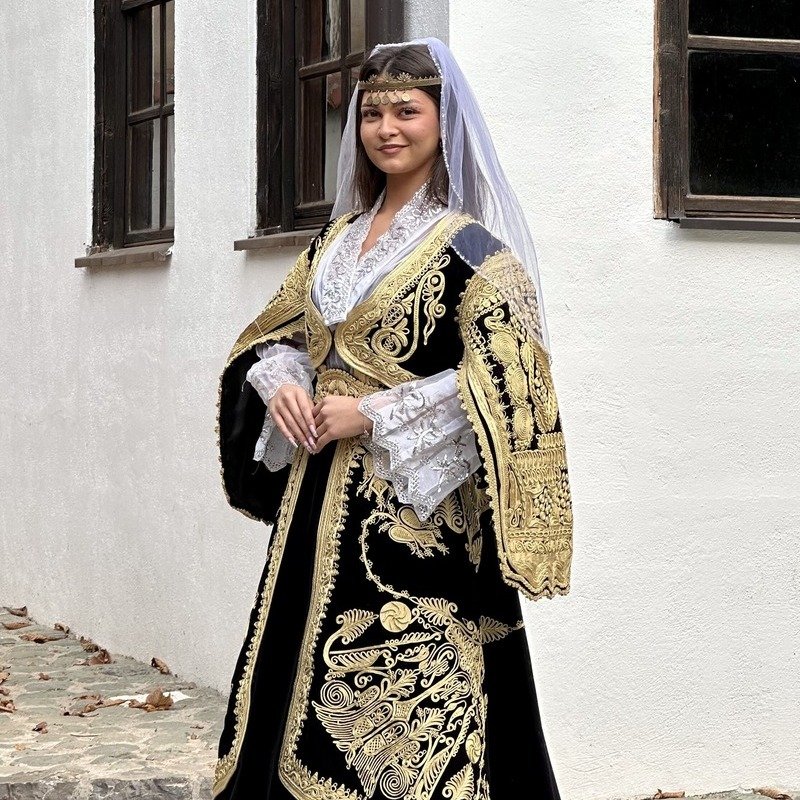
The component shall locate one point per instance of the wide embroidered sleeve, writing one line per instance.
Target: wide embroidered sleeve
(421, 439)
(279, 363)
(507, 388)
(250, 488)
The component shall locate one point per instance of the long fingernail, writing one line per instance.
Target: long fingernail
(311, 443)
(293, 441)
(313, 430)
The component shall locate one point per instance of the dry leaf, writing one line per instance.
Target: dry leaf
(7, 705)
(659, 794)
(86, 705)
(88, 645)
(155, 701)
(41, 727)
(43, 676)
(15, 626)
(4, 690)
(60, 626)
(160, 666)
(101, 657)
(3, 676)
(17, 612)
(20, 746)
(40, 638)
(775, 794)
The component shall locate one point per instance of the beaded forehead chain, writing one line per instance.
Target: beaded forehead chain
(393, 88)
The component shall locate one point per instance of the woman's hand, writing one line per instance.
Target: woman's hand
(292, 409)
(336, 417)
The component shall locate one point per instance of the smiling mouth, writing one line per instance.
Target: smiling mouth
(391, 147)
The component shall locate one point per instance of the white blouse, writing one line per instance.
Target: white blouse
(421, 440)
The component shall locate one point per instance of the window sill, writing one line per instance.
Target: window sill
(138, 255)
(740, 224)
(273, 241)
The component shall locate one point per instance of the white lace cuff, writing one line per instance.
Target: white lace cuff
(278, 364)
(421, 439)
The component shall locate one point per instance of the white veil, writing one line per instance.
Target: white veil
(478, 186)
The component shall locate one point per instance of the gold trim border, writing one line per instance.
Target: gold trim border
(295, 776)
(226, 765)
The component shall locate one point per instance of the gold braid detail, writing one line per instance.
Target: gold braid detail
(507, 391)
(283, 315)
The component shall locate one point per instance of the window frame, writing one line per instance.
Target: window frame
(112, 117)
(278, 102)
(672, 199)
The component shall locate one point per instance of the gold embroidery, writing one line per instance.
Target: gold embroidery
(225, 765)
(462, 785)
(459, 511)
(527, 473)
(395, 616)
(376, 338)
(293, 774)
(288, 301)
(400, 710)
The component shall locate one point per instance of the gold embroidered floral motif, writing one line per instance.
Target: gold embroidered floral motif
(526, 469)
(402, 710)
(459, 511)
(382, 332)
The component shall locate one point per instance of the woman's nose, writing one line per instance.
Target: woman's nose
(387, 126)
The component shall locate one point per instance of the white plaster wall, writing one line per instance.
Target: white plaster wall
(673, 662)
(112, 517)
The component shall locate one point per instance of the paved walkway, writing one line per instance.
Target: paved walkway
(101, 751)
(98, 751)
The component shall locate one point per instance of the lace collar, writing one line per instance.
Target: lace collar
(346, 270)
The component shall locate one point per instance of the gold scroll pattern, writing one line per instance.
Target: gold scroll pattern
(385, 330)
(225, 765)
(507, 391)
(283, 315)
(459, 510)
(407, 708)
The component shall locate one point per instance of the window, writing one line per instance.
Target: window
(134, 125)
(308, 59)
(727, 110)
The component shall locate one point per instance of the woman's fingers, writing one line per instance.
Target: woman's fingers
(285, 412)
(307, 410)
(295, 408)
(283, 427)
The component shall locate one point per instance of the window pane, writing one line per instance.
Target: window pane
(143, 175)
(358, 31)
(169, 55)
(321, 32)
(744, 124)
(771, 19)
(169, 222)
(144, 57)
(319, 136)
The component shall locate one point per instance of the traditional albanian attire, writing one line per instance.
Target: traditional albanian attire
(386, 654)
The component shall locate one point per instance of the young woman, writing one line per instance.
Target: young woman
(392, 413)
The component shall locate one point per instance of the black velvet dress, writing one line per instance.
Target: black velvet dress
(386, 657)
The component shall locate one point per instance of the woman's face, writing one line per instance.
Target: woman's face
(401, 137)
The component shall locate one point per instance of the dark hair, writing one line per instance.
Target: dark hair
(415, 60)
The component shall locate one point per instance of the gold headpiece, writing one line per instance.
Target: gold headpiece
(393, 88)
